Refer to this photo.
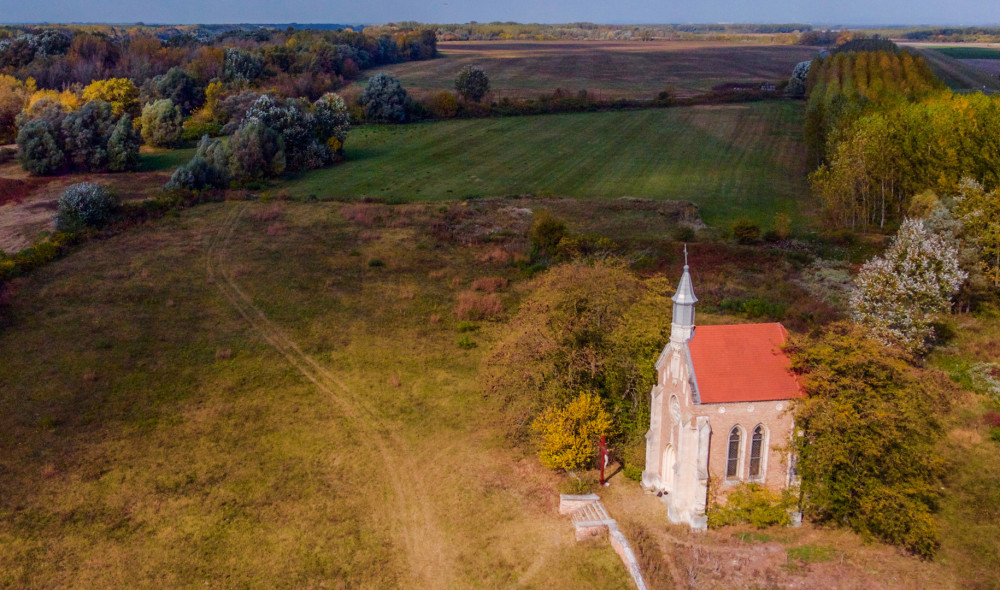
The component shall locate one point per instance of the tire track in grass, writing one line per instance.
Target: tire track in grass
(429, 556)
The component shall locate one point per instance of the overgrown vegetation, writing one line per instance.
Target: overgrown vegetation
(753, 504)
(868, 454)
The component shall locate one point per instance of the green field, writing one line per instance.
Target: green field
(733, 161)
(968, 52)
(606, 69)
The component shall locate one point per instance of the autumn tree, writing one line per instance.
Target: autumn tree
(14, 97)
(898, 295)
(591, 327)
(121, 93)
(867, 435)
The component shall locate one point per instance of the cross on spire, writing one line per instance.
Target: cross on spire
(685, 255)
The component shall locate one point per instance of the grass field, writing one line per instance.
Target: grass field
(271, 395)
(237, 397)
(520, 69)
(733, 161)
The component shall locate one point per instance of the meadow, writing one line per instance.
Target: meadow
(732, 161)
(606, 69)
(251, 394)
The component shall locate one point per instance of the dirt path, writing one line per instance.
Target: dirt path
(429, 557)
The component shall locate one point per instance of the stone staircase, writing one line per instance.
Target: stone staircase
(591, 519)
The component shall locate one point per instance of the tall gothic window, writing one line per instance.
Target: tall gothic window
(756, 447)
(733, 461)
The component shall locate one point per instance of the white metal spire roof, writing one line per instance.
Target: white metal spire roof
(685, 289)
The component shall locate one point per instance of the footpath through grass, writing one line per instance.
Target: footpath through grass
(240, 397)
(732, 160)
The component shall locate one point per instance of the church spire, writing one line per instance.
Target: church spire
(682, 327)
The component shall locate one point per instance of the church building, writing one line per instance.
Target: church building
(718, 411)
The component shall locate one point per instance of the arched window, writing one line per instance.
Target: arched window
(733, 459)
(756, 451)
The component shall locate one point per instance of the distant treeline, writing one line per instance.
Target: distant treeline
(502, 31)
(964, 34)
(295, 62)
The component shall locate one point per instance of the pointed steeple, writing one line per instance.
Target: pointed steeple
(682, 327)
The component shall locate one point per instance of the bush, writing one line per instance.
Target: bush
(443, 105)
(123, 146)
(568, 436)
(208, 168)
(40, 151)
(466, 342)
(256, 151)
(162, 123)
(85, 205)
(752, 504)
(472, 83)
(384, 100)
(546, 231)
(473, 306)
(746, 231)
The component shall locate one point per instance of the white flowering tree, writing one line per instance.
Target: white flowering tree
(898, 294)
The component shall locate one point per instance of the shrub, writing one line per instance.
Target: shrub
(443, 105)
(256, 151)
(384, 99)
(752, 504)
(546, 231)
(472, 83)
(746, 231)
(568, 436)
(473, 306)
(40, 151)
(85, 205)
(162, 123)
(123, 146)
(466, 342)
(208, 168)
(489, 284)
(85, 134)
(467, 327)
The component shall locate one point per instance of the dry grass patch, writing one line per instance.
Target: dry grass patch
(478, 306)
(490, 284)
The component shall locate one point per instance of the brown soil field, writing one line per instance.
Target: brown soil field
(607, 69)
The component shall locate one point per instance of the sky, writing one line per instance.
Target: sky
(848, 12)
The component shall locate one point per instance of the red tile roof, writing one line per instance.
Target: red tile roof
(742, 363)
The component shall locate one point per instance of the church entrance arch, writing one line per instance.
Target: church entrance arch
(667, 469)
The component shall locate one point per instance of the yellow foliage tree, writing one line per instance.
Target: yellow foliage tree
(14, 96)
(120, 92)
(69, 100)
(568, 436)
